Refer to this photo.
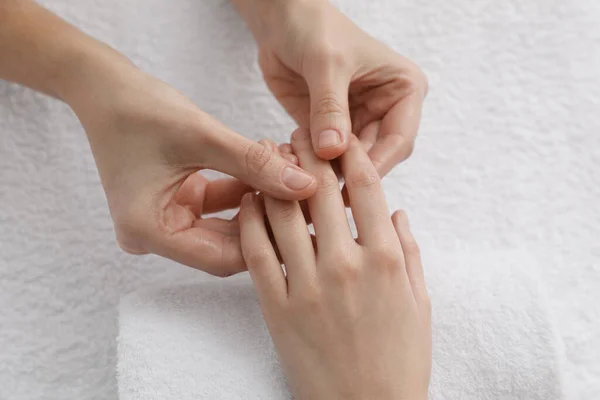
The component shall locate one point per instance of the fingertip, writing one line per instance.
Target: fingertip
(307, 192)
(400, 218)
(263, 142)
(331, 153)
(329, 144)
(291, 158)
(248, 200)
(301, 183)
(252, 203)
(285, 148)
(269, 144)
(300, 134)
(273, 146)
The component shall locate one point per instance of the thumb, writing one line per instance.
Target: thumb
(260, 167)
(330, 123)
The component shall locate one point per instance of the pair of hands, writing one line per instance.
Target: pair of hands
(351, 319)
(149, 141)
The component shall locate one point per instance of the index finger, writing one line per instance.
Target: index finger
(397, 134)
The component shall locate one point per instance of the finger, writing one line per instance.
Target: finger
(224, 226)
(368, 135)
(209, 251)
(325, 206)
(269, 144)
(260, 257)
(288, 156)
(293, 241)
(258, 166)
(224, 194)
(397, 134)
(202, 196)
(330, 124)
(412, 256)
(285, 148)
(291, 158)
(367, 200)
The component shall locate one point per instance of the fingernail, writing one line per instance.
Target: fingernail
(329, 138)
(295, 178)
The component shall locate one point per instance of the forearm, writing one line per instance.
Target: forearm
(43, 52)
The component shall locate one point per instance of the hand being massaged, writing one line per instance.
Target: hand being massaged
(350, 318)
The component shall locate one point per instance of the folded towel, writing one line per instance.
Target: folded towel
(493, 338)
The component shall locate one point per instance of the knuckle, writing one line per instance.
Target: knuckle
(287, 212)
(257, 158)
(342, 270)
(387, 258)
(256, 257)
(344, 274)
(418, 80)
(411, 248)
(327, 105)
(327, 183)
(329, 55)
(309, 300)
(300, 135)
(363, 178)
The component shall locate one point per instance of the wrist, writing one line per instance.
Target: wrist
(265, 16)
(86, 66)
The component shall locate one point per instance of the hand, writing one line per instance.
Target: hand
(351, 320)
(335, 79)
(149, 142)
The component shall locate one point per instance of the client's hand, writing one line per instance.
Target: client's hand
(351, 319)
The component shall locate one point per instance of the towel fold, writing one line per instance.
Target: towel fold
(493, 338)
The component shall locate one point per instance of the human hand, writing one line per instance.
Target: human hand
(149, 143)
(352, 318)
(335, 79)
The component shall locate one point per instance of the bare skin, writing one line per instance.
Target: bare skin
(352, 318)
(149, 141)
(334, 79)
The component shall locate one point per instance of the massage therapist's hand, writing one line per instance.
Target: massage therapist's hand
(351, 320)
(149, 142)
(334, 79)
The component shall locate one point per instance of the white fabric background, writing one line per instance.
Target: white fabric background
(508, 156)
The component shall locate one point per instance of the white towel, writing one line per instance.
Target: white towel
(493, 338)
